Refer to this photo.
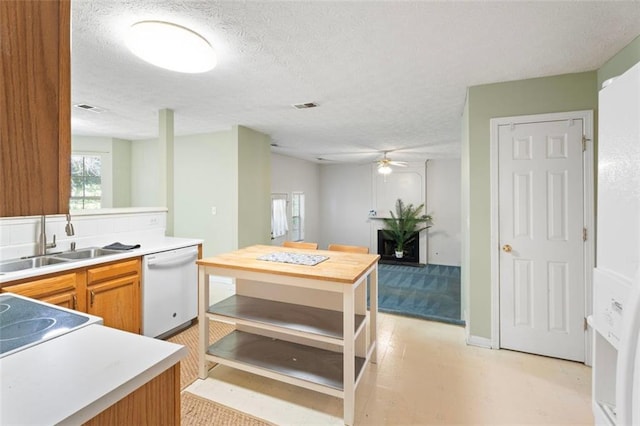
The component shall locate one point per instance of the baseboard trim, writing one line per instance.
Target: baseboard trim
(482, 342)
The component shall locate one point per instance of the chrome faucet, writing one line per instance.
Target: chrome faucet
(69, 227)
(43, 237)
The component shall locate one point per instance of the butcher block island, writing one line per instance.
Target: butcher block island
(301, 317)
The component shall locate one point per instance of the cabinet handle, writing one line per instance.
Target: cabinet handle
(93, 296)
(75, 301)
(616, 305)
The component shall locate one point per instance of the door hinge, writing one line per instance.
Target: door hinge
(584, 234)
(586, 325)
(584, 143)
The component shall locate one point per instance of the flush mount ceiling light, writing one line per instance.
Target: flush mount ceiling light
(171, 46)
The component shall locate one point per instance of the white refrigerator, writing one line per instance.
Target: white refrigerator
(616, 280)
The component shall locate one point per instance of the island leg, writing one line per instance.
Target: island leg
(348, 312)
(373, 312)
(203, 321)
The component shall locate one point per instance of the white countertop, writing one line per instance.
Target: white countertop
(154, 245)
(74, 377)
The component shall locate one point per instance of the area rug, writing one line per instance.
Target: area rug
(190, 338)
(430, 292)
(198, 411)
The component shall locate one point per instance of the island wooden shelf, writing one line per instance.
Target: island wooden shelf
(304, 365)
(300, 324)
(308, 321)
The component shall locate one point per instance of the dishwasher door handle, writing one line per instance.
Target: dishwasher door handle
(154, 262)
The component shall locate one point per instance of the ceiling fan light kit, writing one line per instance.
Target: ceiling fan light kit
(384, 169)
(384, 165)
(171, 46)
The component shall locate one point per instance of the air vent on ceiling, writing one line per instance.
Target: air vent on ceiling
(91, 108)
(305, 105)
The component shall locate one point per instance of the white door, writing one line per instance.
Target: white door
(541, 223)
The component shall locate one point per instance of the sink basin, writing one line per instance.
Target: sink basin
(87, 253)
(44, 261)
(15, 265)
(34, 262)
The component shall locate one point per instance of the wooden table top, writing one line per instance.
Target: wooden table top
(339, 267)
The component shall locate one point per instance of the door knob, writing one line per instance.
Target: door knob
(506, 248)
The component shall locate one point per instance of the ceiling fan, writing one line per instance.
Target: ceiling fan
(385, 163)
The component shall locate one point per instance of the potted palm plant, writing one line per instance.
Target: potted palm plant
(402, 226)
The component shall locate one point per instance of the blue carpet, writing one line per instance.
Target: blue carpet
(430, 292)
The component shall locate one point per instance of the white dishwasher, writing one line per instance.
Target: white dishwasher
(169, 290)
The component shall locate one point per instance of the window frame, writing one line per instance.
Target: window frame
(100, 199)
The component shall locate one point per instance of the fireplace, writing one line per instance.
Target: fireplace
(387, 250)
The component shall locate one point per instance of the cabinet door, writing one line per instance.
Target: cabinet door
(66, 300)
(59, 290)
(117, 302)
(35, 107)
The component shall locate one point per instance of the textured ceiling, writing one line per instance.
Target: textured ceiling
(386, 75)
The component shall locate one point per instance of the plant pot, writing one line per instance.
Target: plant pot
(399, 254)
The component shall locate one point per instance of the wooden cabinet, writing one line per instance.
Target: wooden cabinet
(110, 291)
(113, 293)
(155, 403)
(61, 290)
(35, 107)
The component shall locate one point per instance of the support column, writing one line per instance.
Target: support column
(166, 149)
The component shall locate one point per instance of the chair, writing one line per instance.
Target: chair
(350, 249)
(300, 245)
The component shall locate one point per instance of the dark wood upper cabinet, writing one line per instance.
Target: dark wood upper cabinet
(35, 107)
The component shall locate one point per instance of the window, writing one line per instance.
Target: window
(86, 182)
(297, 216)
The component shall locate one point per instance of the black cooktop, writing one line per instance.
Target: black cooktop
(25, 322)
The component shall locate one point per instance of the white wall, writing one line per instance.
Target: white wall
(346, 198)
(443, 203)
(349, 191)
(294, 175)
(405, 183)
(19, 235)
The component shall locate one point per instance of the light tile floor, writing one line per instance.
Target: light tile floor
(426, 374)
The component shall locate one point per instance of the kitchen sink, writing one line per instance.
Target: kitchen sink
(86, 253)
(15, 265)
(33, 262)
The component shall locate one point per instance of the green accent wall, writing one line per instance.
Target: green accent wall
(205, 173)
(465, 213)
(620, 62)
(254, 187)
(121, 172)
(231, 172)
(570, 92)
